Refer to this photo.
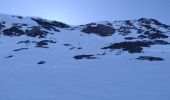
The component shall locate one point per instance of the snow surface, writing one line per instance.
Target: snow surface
(113, 77)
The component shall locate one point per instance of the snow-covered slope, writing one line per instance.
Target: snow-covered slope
(50, 60)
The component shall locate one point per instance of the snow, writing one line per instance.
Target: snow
(113, 77)
(14, 19)
(87, 81)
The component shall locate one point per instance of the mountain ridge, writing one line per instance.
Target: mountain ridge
(130, 36)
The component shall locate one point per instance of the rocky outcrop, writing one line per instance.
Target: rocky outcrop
(17, 31)
(44, 43)
(99, 29)
(148, 22)
(20, 49)
(131, 47)
(36, 32)
(41, 62)
(150, 58)
(134, 46)
(78, 57)
(50, 24)
(13, 31)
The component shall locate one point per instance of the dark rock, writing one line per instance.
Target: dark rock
(161, 42)
(10, 56)
(102, 54)
(13, 31)
(147, 33)
(78, 57)
(79, 48)
(124, 30)
(20, 49)
(149, 58)
(131, 47)
(20, 17)
(144, 21)
(142, 36)
(25, 42)
(72, 48)
(135, 46)
(140, 30)
(147, 26)
(59, 24)
(44, 43)
(109, 24)
(46, 25)
(153, 34)
(157, 36)
(99, 29)
(50, 25)
(128, 23)
(67, 44)
(23, 24)
(36, 32)
(41, 62)
(156, 22)
(129, 38)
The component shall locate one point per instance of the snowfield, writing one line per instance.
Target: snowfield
(54, 61)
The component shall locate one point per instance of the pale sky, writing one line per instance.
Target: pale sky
(84, 11)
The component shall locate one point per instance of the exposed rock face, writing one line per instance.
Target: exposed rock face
(124, 30)
(161, 42)
(20, 49)
(157, 35)
(25, 42)
(129, 38)
(41, 62)
(20, 17)
(33, 32)
(149, 58)
(44, 43)
(131, 47)
(36, 32)
(151, 35)
(78, 57)
(148, 22)
(50, 25)
(154, 34)
(13, 31)
(135, 46)
(99, 29)
(10, 56)
(145, 27)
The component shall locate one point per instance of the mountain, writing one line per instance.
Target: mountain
(47, 60)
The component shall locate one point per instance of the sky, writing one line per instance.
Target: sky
(76, 12)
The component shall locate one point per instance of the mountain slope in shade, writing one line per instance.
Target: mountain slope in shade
(48, 60)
